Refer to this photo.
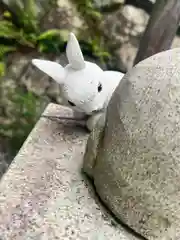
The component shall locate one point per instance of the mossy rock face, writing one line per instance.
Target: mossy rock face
(137, 169)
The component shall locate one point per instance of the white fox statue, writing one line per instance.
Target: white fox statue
(84, 85)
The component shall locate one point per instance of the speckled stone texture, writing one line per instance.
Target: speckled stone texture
(44, 195)
(137, 169)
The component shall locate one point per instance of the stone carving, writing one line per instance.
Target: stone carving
(134, 160)
(85, 86)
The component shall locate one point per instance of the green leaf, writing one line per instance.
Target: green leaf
(95, 14)
(6, 49)
(2, 69)
(30, 9)
(48, 47)
(49, 34)
(26, 13)
(42, 47)
(7, 14)
(52, 40)
(27, 39)
(8, 30)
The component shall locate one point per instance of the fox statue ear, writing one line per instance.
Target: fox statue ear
(52, 69)
(74, 54)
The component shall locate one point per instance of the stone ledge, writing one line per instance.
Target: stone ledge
(45, 196)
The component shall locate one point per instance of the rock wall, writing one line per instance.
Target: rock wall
(124, 29)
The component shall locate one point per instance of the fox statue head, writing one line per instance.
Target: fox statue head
(84, 85)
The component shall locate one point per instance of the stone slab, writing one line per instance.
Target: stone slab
(44, 194)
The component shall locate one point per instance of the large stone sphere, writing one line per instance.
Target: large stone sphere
(137, 169)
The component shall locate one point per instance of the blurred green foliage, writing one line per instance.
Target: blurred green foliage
(19, 28)
(95, 40)
(23, 112)
(87, 7)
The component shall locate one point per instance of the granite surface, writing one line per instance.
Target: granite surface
(136, 170)
(44, 194)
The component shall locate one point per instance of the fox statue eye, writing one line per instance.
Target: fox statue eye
(99, 87)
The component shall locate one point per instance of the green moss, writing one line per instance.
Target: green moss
(95, 38)
(22, 112)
